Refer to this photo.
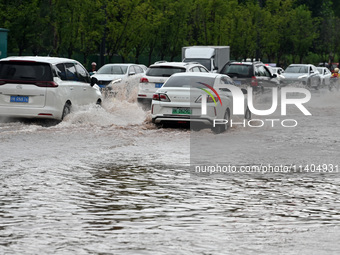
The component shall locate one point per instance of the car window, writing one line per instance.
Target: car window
(189, 81)
(31, 71)
(195, 69)
(203, 70)
(226, 80)
(264, 71)
(138, 69)
(71, 72)
(132, 70)
(296, 69)
(164, 71)
(61, 71)
(257, 71)
(112, 69)
(243, 70)
(82, 73)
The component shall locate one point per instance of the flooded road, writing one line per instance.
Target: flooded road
(106, 181)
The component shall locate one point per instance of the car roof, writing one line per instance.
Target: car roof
(245, 62)
(199, 74)
(51, 60)
(175, 64)
(300, 65)
(120, 64)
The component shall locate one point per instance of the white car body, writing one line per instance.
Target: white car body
(325, 75)
(279, 73)
(179, 100)
(305, 74)
(158, 73)
(110, 74)
(44, 87)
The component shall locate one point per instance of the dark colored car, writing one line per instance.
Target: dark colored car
(254, 74)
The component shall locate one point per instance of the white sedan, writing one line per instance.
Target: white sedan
(197, 98)
(110, 75)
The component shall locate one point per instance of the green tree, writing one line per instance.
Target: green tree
(302, 31)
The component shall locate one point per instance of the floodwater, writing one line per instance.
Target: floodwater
(106, 181)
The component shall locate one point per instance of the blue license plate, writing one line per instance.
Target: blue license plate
(237, 82)
(19, 99)
(158, 85)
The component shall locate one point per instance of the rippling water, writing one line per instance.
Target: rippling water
(99, 183)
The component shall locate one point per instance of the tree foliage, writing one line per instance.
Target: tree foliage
(158, 29)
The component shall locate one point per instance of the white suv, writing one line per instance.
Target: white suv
(158, 73)
(44, 87)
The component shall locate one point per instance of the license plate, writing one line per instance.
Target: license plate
(158, 85)
(181, 111)
(19, 99)
(237, 82)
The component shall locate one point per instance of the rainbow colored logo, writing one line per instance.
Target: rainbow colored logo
(211, 95)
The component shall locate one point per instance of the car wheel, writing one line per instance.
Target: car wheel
(66, 110)
(221, 128)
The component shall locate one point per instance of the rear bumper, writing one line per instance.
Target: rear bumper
(41, 113)
(180, 119)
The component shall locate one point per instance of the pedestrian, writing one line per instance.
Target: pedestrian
(93, 68)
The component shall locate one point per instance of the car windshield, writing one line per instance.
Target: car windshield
(189, 81)
(237, 69)
(164, 71)
(297, 69)
(204, 62)
(25, 71)
(112, 69)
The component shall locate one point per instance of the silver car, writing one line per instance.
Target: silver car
(305, 74)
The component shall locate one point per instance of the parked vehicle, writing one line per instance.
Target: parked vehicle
(44, 87)
(180, 100)
(158, 73)
(325, 75)
(254, 74)
(110, 74)
(305, 74)
(212, 57)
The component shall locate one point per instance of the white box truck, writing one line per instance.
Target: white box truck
(212, 57)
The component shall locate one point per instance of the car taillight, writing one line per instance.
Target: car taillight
(160, 97)
(46, 84)
(143, 80)
(254, 81)
(209, 99)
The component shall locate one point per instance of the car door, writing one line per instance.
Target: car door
(86, 92)
(71, 83)
(314, 75)
(133, 76)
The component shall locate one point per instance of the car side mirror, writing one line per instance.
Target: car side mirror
(94, 80)
(274, 75)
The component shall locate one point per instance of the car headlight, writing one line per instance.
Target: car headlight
(114, 82)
